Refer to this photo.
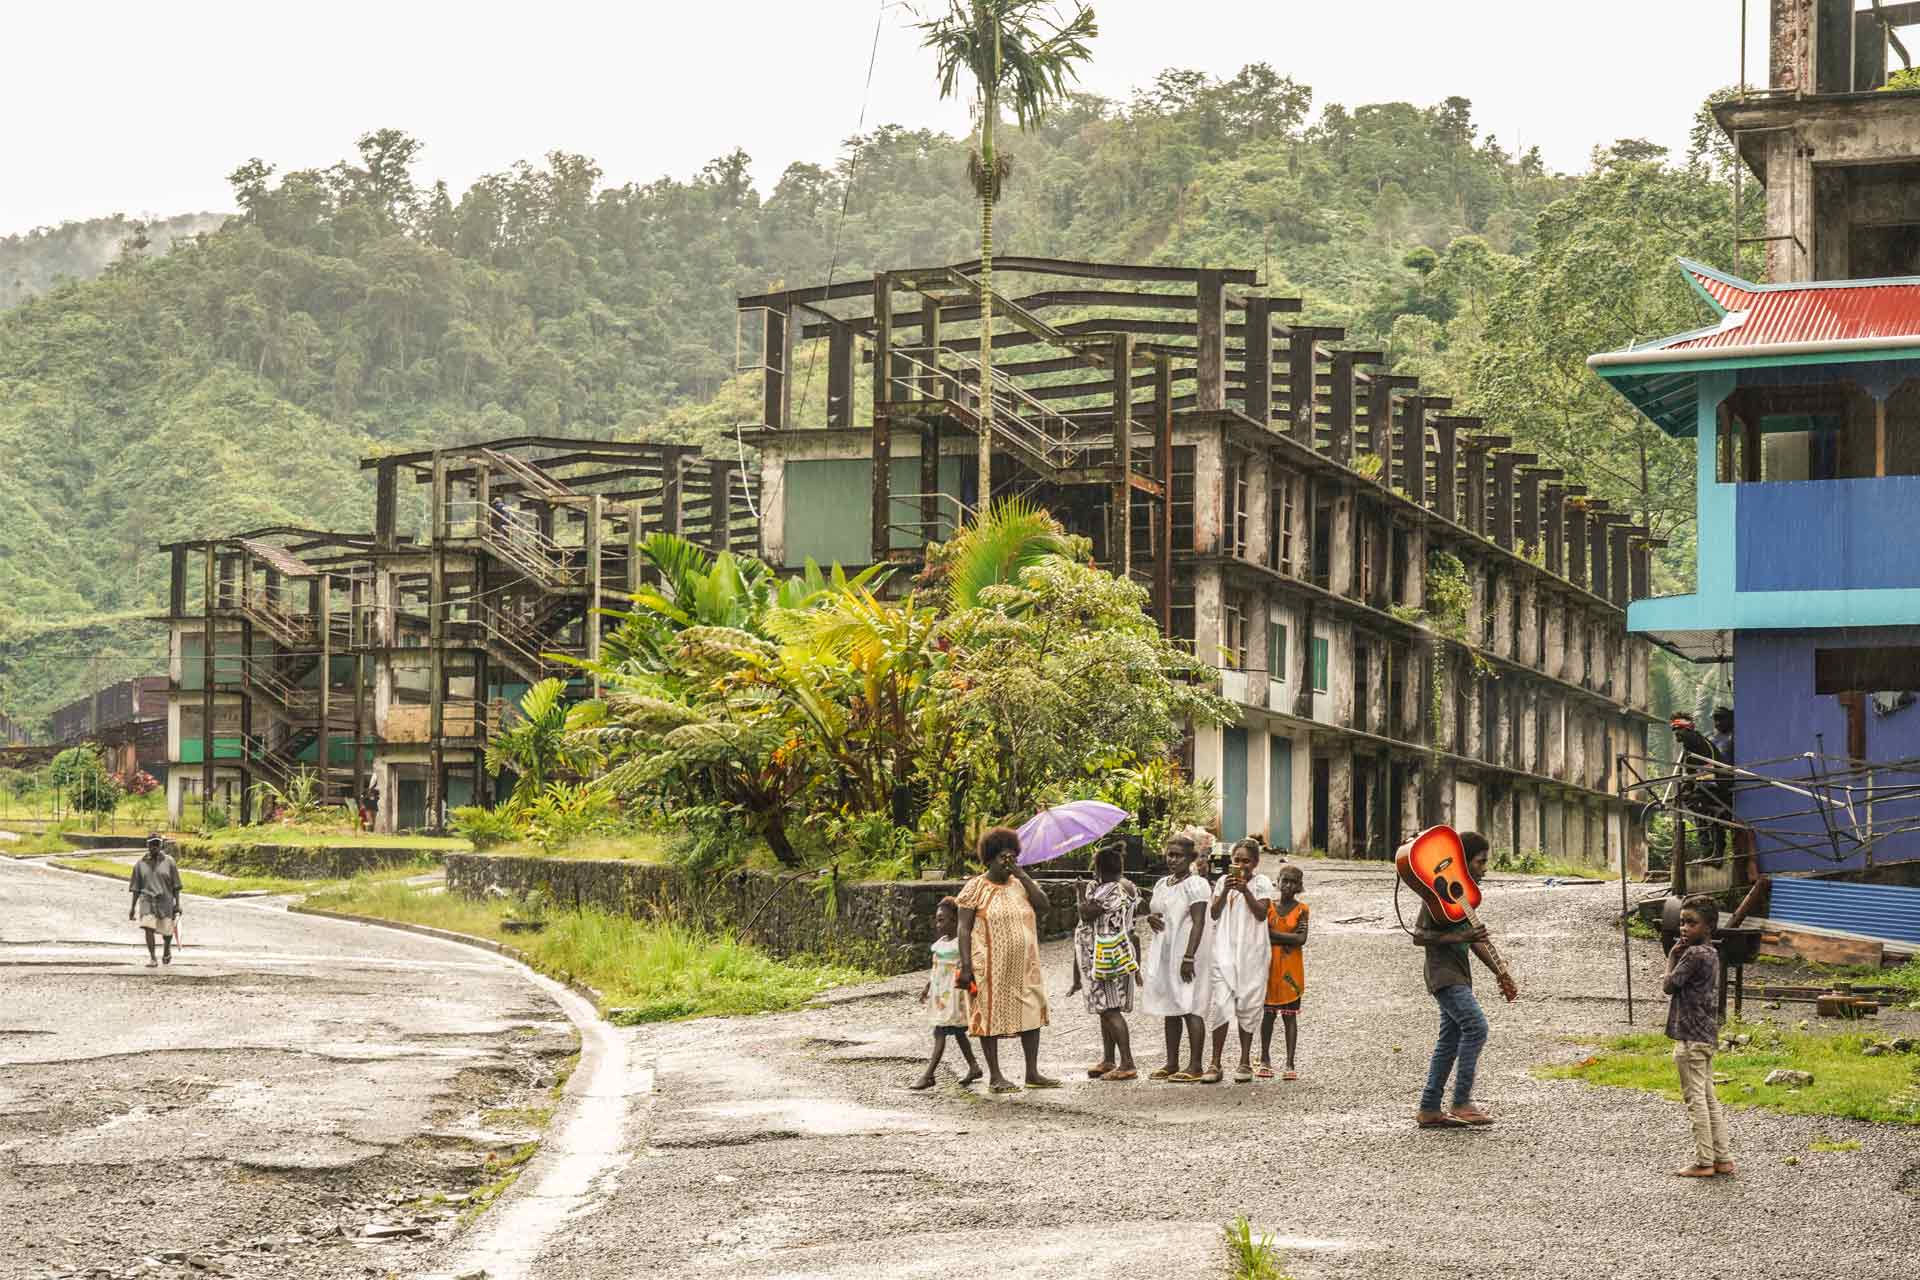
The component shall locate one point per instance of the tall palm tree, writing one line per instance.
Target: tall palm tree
(1021, 53)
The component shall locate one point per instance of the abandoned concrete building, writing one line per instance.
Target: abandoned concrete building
(388, 658)
(1418, 623)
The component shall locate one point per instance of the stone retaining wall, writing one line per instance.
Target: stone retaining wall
(299, 862)
(882, 924)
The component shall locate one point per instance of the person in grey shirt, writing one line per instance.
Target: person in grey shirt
(155, 885)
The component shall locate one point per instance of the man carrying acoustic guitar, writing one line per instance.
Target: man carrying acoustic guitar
(1463, 1027)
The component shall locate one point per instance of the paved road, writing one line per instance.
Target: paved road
(287, 1082)
(789, 1147)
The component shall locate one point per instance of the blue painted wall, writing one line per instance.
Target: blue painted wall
(1777, 713)
(1827, 535)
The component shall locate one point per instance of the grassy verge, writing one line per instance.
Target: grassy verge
(35, 843)
(652, 972)
(1846, 1083)
(644, 847)
(228, 886)
(344, 839)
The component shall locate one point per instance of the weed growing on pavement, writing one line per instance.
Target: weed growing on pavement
(1824, 1143)
(1846, 1082)
(1250, 1258)
(644, 971)
(502, 1174)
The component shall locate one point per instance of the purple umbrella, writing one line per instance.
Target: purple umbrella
(1066, 827)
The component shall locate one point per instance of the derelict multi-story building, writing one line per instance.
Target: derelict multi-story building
(387, 659)
(1293, 506)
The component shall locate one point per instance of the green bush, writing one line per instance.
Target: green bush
(485, 828)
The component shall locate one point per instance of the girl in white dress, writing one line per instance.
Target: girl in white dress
(1241, 954)
(945, 998)
(1179, 973)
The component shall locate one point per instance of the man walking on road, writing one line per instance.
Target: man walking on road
(155, 885)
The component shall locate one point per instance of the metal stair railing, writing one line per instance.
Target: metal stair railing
(515, 541)
(292, 629)
(1021, 420)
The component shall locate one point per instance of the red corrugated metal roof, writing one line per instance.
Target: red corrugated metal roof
(1768, 315)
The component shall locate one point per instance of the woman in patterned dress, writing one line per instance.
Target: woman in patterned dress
(1000, 958)
(1106, 911)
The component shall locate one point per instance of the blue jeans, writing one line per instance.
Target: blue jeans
(1463, 1034)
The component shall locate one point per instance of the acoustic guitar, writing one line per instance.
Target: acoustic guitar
(1434, 865)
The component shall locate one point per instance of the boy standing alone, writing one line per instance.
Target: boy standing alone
(1463, 1027)
(1693, 1024)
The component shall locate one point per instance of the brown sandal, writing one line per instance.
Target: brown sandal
(1121, 1075)
(1097, 1070)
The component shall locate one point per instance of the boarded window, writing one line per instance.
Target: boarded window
(1280, 515)
(1866, 670)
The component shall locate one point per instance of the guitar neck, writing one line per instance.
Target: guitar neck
(1493, 952)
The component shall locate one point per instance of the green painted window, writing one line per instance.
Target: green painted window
(1276, 651)
(1319, 664)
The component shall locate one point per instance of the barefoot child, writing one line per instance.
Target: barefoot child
(1287, 975)
(945, 996)
(1241, 957)
(1693, 1024)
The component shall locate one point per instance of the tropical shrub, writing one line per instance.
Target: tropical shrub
(485, 828)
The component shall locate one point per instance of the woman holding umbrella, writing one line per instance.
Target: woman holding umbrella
(1000, 958)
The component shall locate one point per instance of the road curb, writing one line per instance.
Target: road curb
(568, 981)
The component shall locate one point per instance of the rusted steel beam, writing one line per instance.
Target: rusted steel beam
(1120, 501)
(1163, 508)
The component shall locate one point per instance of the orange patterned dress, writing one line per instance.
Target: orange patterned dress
(1006, 959)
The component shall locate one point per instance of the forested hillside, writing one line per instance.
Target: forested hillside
(236, 380)
(32, 262)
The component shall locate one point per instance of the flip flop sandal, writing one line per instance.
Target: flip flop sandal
(1264, 1073)
(1442, 1121)
(1182, 1077)
(1290, 1075)
(1210, 1077)
(1005, 1088)
(1043, 1084)
(1242, 1077)
(1097, 1070)
(1164, 1073)
(1121, 1075)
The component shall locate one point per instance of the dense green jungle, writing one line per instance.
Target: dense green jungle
(201, 375)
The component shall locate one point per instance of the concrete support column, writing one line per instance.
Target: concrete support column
(1554, 660)
(1339, 670)
(1528, 730)
(1376, 709)
(1207, 604)
(1527, 604)
(1503, 606)
(1259, 502)
(1259, 771)
(1576, 746)
(1496, 816)
(1209, 494)
(1342, 577)
(1527, 818)
(1555, 710)
(1477, 712)
(1413, 819)
(1445, 670)
(1340, 802)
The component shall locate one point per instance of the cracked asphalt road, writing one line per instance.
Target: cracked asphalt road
(789, 1146)
(286, 1083)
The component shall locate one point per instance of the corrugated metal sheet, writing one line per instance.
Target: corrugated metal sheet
(1814, 313)
(1872, 910)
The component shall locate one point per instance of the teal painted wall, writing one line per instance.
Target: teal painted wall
(1233, 785)
(1280, 793)
(829, 506)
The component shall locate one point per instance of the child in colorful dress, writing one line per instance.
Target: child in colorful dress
(1287, 974)
(947, 1000)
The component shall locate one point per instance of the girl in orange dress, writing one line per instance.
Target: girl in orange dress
(1287, 974)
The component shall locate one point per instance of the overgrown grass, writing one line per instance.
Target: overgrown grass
(1249, 1257)
(640, 847)
(227, 886)
(647, 972)
(1904, 979)
(1846, 1083)
(319, 836)
(1823, 1143)
(31, 843)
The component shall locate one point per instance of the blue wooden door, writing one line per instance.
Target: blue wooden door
(1280, 793)
(1233, 786)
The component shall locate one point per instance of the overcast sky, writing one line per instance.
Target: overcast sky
(112, 107)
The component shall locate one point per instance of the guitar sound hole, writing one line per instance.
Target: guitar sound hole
(1451, 890)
